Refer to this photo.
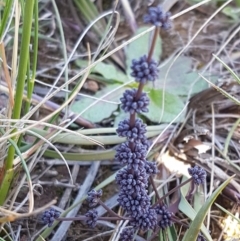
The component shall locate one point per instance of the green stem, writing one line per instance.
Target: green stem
(24, 56)
(6, 14)
(23, 61)
(31, 81)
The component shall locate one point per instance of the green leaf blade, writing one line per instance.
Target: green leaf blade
(193, 231)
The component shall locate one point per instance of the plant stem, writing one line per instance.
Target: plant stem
(5, 16)
(172, 191)
(31, 81)
(23, 60)
(154, 40)
(109, 209)
(154, 187)
(190, 191)
(84, 218)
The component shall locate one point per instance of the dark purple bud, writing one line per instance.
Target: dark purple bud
(158, 17)
(147, 220)
(134, 133)
(151, 168)
(132, 181)
(93, 197)
(135, 205)
(165, 216)
(134, 158)
(198, 174)
(144, 70)
(127, 234)
(131, 105)
(92, 216)
(146, 143)
(49, 216)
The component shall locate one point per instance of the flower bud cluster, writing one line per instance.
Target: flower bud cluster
(133, 178)
(198, 174)
(49, 216)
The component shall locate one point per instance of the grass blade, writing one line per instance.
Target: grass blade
(228, 213)
(236, 101)
(228, 68)
(193, 231)
(187, 209)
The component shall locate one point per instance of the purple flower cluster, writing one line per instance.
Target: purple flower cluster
(158, 17)
(49, 216)
(127, 234)
(145, 221)
(144, 70)
(165, 216)
(198, 174)
(92, 216)
(133, 179)
(93, 197)
(131, 105)
(134, 133)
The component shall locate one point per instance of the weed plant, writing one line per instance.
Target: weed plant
(143, 216)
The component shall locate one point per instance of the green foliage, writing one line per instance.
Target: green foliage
(89, 11)
(187, 209)
(173, 90)
(6, 14)
(100, 109)
(230, 11)
(228, 213)
(194, 229)
(172, 106)
(180, 80)
(20, 84)
(109, 72)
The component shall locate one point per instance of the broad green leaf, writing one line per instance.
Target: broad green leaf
(193, 231)
(172, 106)
(180, 78)
(172, 233)
(232, 12)
(108, 71)
(198, 199)
(140, 47)
(102, 109)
